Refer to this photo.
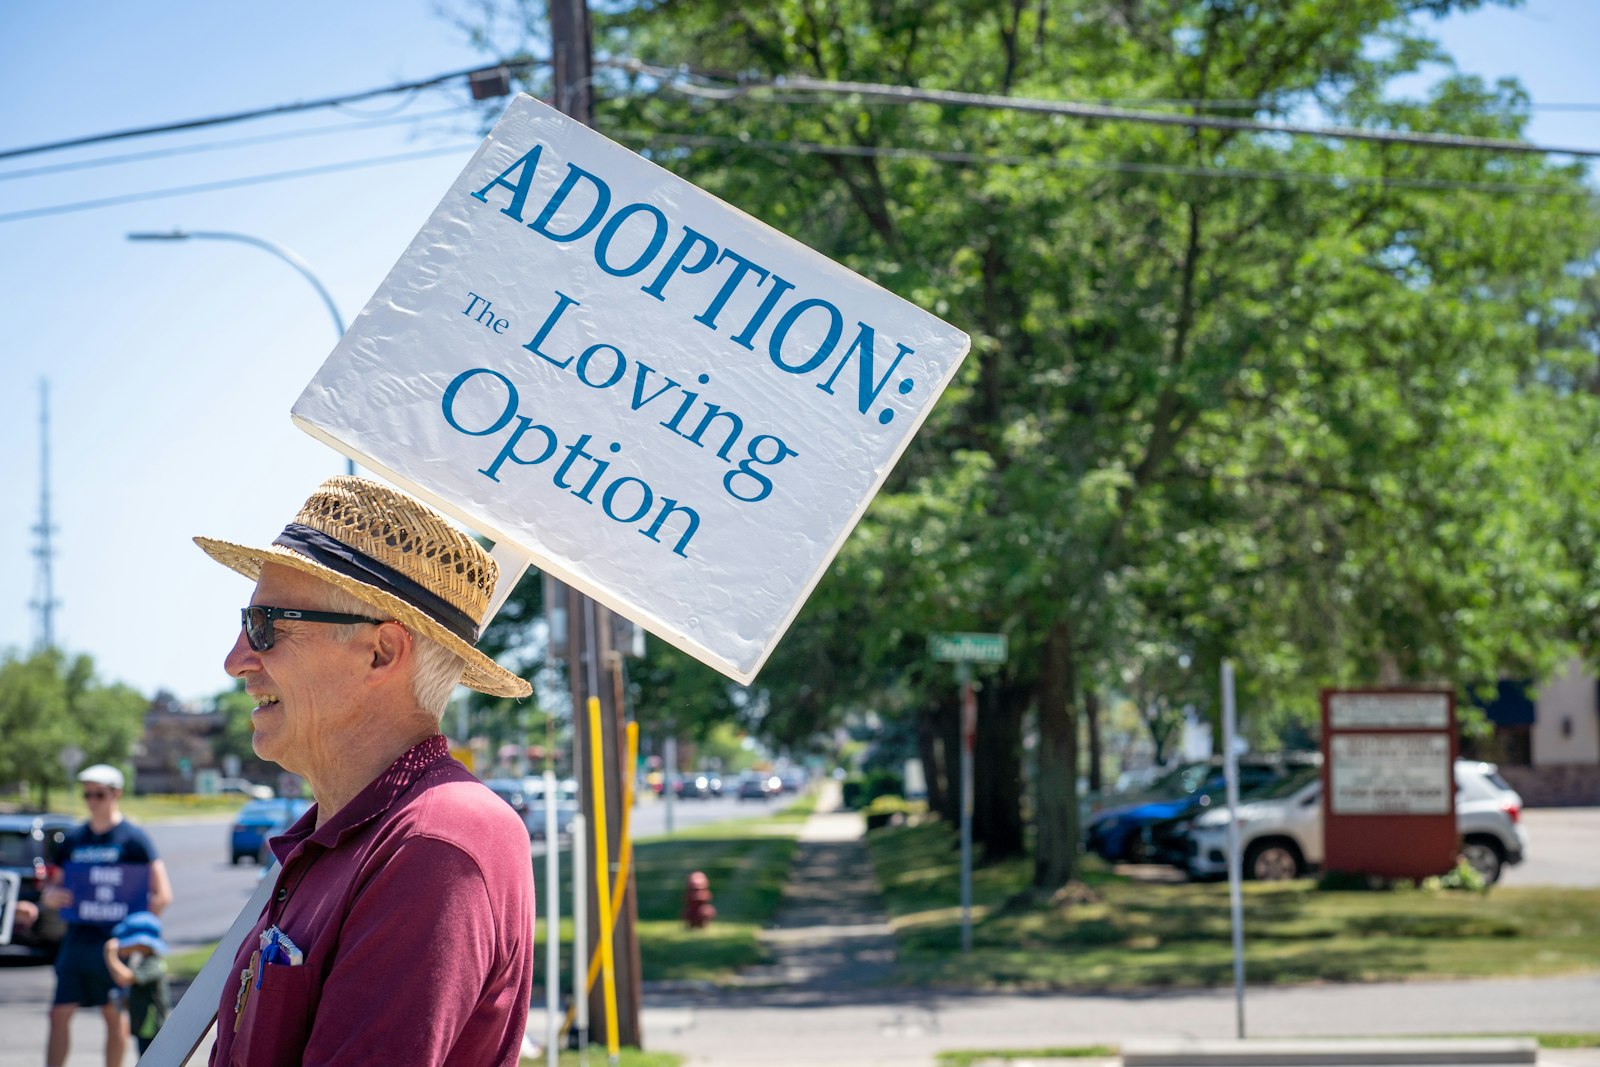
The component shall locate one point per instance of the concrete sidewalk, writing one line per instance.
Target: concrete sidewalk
(823, 1001)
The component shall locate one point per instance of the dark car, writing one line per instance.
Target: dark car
(28, 846)
(252, 825)
(695, 786)
(755, 787)
(1118, 835)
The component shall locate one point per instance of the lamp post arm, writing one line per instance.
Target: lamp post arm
(266, 246)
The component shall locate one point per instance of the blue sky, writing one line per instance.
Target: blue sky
(172, 366)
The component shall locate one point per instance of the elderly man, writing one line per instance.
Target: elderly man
(400, 929)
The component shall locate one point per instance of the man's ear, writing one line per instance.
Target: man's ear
(391, 647)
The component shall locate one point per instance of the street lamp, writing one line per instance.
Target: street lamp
(266, 246)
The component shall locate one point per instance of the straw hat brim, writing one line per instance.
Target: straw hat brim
(480, 672)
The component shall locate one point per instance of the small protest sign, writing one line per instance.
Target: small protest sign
(105, 893)
(666, 403)
(10, 893)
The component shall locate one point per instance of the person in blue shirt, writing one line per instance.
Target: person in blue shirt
(82, 978)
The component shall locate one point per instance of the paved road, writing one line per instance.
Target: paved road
(1563, 850)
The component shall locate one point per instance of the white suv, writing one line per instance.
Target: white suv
(1280, 832)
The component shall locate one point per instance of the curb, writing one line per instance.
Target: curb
(1400, 1052)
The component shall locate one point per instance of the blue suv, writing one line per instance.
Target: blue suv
(255, 819)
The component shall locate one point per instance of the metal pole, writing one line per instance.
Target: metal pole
(580, 931)
(282, 253)
(670, 758)
(969, 728)
(552, 923)
(1230, 769)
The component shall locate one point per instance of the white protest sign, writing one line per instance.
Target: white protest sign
(666, 403)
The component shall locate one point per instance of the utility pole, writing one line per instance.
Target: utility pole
(589, 632)
(44, 601)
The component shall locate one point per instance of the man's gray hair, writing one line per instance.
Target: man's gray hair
(438, 669)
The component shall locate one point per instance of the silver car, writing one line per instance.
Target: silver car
(1280, 835)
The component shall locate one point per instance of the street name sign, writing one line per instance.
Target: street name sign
(968, 648)
(660, 400)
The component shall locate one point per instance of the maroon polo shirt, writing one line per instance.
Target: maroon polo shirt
(413, 909)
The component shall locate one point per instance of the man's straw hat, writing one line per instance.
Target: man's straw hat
(397, 554)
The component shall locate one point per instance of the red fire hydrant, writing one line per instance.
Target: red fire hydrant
(697, 907)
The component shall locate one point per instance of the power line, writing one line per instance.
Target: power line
(240, 116)
(901, 94)
(807, 89)
(233, 183)
(675, 78)
(645, 140)
(223, 145)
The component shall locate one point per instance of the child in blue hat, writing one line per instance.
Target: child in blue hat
(137, 959)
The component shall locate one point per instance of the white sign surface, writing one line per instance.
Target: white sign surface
(666, 403)
(1415, 711)
(1390, 774)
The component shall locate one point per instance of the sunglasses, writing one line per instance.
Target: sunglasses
(257, 622)
(94, 794)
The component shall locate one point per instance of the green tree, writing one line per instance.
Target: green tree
(1303, 402)
(49, 701)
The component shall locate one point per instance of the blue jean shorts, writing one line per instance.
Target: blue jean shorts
(81, 975)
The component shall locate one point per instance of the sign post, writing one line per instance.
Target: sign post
(964, 650)
(1230, 763)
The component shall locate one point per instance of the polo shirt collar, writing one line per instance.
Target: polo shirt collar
(378, 796)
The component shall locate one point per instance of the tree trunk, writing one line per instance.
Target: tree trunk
(997, 772)
(1091, 715)
(1055, 858)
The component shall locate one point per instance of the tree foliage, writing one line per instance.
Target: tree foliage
(1316, 404)
(50, 701)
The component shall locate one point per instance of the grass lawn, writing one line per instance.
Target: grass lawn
(746, 862)
(1119, 935)
(627, 1057)
(173, 806)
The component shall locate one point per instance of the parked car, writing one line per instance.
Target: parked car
(757, 786)
(566, 812)
(28, 846)
(264, 856)
(244, 788)
(529, 804)
(1167, 841)
(250, 830)
(1281, 836)
(695, 786)
(1117, 834)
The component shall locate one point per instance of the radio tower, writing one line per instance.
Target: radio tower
(45, 601)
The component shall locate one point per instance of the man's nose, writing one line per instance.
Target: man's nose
(241, 658)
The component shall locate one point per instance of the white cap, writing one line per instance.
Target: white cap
(102, 774)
